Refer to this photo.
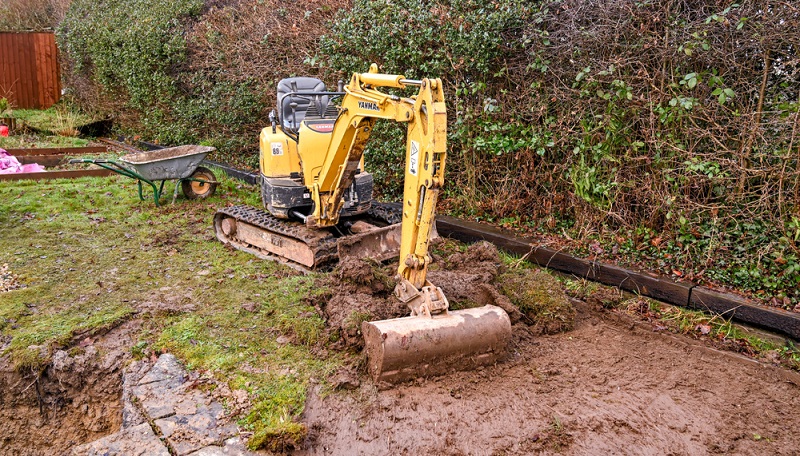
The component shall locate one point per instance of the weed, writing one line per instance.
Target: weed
(22, 141)
(60, 120)
(354, 320)
(712, 327)
(139, 350)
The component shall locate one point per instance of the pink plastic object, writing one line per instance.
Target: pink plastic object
(4, 130)
(9, 164)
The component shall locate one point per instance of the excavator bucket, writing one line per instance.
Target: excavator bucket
(418, 346)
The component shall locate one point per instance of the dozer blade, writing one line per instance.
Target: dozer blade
(405, 348)
(379, 244)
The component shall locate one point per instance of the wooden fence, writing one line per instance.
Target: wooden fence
(29, 73)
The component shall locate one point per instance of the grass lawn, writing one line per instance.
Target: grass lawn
(26, 141)
(90, 255)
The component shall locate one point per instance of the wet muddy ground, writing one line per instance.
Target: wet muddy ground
(579, 379)
(610, 386)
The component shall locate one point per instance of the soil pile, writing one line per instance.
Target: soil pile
(363, 291)
(540, 299)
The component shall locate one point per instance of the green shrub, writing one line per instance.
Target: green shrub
(129, 46)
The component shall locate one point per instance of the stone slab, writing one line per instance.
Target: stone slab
(188, 433)
(232, 447)
(166, 368)
(135, 441)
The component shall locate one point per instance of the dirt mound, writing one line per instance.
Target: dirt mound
(540, 299)
(467, 277)
(362, 290)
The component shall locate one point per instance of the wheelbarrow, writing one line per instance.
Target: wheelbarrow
(175, 163)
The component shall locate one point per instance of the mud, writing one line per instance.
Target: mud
(610, 386)
(76, 399)
(362, 290)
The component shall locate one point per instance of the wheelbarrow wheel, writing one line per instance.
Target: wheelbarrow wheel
(200, 190)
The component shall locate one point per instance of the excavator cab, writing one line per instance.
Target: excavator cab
(307, 110)
(305, 98)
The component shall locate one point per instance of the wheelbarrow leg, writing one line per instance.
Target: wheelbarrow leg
(157, 193)
(175, 193)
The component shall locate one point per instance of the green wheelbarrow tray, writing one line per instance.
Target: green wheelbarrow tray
(180, 163)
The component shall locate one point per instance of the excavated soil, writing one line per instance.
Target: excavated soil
(76, 399)
(363, 291)
(608, 385)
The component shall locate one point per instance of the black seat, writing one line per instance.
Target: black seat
(303, 84)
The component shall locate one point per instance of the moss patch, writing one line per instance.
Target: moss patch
(540, 297)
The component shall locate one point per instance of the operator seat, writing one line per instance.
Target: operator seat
(300, 84)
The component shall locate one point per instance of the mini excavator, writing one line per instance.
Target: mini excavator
(319, 208)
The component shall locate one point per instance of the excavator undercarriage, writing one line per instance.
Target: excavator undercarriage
(374, 234)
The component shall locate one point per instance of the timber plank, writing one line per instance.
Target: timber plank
(69, 174)
(739, 308)
(467, 231)
(645, 284)
(58, 151)
(44, 160)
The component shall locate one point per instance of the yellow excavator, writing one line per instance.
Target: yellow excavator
(319, 208)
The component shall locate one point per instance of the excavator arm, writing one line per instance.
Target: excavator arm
(426, 151)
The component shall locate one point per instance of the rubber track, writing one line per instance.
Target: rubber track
(320, 241)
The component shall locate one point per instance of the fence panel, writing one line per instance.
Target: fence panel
(29, 73)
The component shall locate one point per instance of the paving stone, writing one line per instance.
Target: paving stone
(135, 441)
(232, 447)
(167, 368)
(187, 418)
(188, 433)
(153, 404)
(131, 414)
(163, 399)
